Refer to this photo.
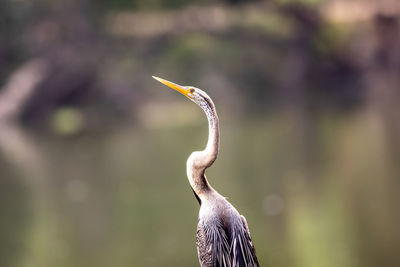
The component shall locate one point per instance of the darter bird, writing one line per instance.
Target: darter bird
(223, 238)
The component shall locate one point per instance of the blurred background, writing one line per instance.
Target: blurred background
(93, 150)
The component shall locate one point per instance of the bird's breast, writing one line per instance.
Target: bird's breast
(217, 210)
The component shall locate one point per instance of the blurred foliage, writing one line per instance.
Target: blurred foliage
(149, 4)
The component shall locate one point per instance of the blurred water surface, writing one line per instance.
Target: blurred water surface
(122, 198)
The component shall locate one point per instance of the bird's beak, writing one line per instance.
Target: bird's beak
(174, 86)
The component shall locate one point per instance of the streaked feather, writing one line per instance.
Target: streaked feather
(220, 245)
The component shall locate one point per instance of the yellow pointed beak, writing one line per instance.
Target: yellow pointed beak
(174, 86)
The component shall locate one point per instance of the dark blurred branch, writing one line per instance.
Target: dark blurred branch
(20, 86)
(21, 151)
(14, 143)
(383, 79)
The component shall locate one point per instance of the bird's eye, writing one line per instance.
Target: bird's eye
(191, 90)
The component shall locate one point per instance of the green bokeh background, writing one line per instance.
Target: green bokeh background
(92, 159)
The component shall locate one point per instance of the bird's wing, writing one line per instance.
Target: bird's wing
(203, 252)
(220, 247)
(213, 246)
(243, 251)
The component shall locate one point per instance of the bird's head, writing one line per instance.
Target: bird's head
(195, 94)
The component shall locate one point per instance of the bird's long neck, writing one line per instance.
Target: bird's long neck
(199, 161)
(210, 153)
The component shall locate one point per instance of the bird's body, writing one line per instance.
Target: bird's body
(223, 238)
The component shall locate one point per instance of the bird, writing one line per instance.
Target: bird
(222, 237)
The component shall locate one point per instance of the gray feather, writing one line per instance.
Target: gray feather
(222, 243)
